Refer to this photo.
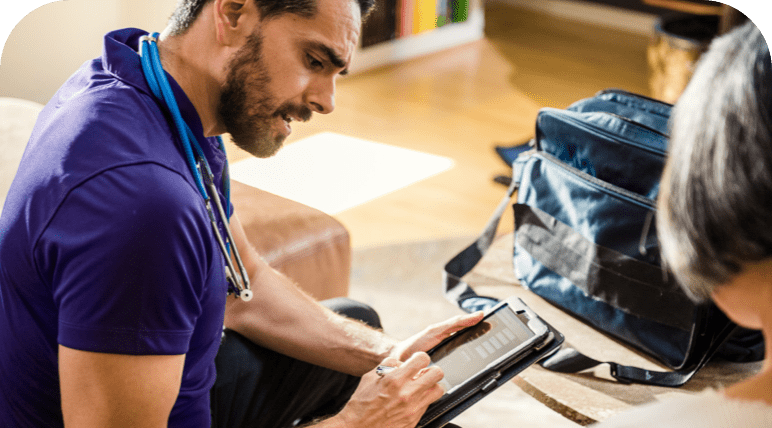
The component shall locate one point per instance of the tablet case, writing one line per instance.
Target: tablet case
(448, 407)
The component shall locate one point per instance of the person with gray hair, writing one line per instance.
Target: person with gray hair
(714, 220)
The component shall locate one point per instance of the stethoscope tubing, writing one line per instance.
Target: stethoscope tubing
(159, 85)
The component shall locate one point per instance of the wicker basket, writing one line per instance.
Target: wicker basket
(678, 42)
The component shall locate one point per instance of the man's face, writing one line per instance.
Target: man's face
(284, 72)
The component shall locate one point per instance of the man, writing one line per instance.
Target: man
(112, 284)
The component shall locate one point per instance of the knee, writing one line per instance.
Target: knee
(353, 309)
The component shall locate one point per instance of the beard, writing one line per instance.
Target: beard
(247, 109)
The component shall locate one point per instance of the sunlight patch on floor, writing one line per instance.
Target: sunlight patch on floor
(333, 172)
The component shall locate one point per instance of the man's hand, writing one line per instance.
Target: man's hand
(396, 400)
(400, 398)
(433, 335)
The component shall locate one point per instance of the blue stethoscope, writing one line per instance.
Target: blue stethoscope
(238, 284)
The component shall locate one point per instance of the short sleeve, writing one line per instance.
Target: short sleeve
(127, 256)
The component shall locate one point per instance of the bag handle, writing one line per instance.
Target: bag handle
(565, 359)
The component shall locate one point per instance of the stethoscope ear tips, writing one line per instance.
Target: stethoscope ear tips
(245, 295)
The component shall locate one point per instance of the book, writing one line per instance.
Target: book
(460, 10)
(406, 9)
(424, 15)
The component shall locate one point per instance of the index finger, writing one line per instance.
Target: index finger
(410, 368)
(463, 321)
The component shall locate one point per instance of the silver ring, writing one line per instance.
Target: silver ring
(383, 370)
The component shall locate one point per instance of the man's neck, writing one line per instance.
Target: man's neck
(187, 59)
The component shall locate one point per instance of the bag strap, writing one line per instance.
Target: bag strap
(569, 360)
(455, 289)
(565, 359)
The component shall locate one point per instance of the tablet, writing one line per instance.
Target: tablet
(474, 359)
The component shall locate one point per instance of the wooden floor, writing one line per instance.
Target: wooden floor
(460, 103)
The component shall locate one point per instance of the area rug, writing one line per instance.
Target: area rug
(334, 172)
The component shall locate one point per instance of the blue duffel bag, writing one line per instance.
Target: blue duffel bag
(647, 113)
(585, 239)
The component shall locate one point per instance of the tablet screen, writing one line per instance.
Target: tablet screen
(472, 350)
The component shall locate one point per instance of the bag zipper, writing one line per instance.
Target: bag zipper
(623, 92)
(627, 141)
(649, 203)
(628, 120)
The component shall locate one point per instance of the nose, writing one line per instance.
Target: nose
(321, 94)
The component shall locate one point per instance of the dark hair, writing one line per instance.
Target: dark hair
(716, 191)
(188, 10)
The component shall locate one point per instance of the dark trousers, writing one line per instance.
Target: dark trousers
(257, 387)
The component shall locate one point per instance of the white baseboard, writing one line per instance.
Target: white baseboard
(592, 13)
(405, 48)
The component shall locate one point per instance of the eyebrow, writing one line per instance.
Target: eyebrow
(332, 56)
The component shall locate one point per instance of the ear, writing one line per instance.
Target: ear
(234, 20)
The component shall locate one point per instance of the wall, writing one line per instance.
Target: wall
(51, 42)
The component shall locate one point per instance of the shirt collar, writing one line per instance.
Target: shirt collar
(120, 58)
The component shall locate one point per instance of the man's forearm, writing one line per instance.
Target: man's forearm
(283, 318)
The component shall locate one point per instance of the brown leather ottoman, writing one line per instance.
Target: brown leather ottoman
(307, 245)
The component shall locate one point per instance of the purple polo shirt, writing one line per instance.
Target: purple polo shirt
(105, 243)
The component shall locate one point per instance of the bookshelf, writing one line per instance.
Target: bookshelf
(399, 30)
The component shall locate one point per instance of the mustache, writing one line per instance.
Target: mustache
(301, 112)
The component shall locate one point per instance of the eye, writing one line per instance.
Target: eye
(314, 63)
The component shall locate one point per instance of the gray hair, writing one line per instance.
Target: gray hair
(715, 202)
